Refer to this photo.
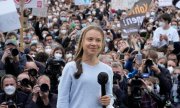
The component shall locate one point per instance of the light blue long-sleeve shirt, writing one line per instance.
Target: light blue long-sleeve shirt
(84, 92)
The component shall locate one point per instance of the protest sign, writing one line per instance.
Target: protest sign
(134, 20)
(82, 2)
(9, 18)
(30, 3)
(163, 3)
(41, 12)
(122, 4)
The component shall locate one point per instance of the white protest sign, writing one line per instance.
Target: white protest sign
(122, 4)
(178, 4)
(30, 3)
(41, 12)
(82, 2)
(162, 3)
(9, 18)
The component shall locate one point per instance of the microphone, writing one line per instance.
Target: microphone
(102, 80)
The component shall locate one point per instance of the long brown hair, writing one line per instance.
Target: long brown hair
(79, 52)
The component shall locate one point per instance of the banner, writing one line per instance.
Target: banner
(134, 20)
(163, 3)
(9, 18)
(30, 3)
(122, 4)
(82, 2)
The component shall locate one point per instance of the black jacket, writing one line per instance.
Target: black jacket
(39, 103)
(164, 81)
(19, 98)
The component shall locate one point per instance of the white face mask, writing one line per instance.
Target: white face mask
(63, 31)
(44, 35)
(55, 30)
(150, 88)
(108, 40)
(171, 69)
(9, 90)
(48, 51)
(90, 20)
(49, 17)
(68, 55)
(58, 56)
(153, 13)
(151, 20)
(34, 41)
(55, 20)
(118, 25)
(93, 12)
(161, 24)
(106, 49)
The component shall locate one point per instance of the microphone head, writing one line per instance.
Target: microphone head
(102, 78)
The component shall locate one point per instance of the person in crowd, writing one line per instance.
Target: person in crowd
(165, 33)
(54, 67)
(23, 83)
(2, 41)
(11, 97)
(12, 61)
(41, 96)
(86, 64)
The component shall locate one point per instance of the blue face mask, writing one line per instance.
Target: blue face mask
(83, 25)
(162, 65)
(175, 27)
(63, 19)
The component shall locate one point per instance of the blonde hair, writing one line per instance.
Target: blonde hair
(79, 52)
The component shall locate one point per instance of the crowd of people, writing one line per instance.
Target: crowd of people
(145, 65)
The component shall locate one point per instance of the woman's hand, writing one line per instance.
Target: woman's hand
(105, 100)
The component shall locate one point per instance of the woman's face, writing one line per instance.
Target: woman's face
(58, 52)
(92, 42)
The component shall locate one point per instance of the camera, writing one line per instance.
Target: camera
(136, 85)
(54, 67)
(116, 78)
(32, 72)
(11, 104)
(149, 63)
(44, 88)
(25, 82)
(14, 52)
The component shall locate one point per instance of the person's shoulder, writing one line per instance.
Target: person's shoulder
(20, 93)
(71, 64)
(159, 29)
(105, 66)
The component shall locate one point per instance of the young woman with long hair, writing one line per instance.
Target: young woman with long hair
(78, 87)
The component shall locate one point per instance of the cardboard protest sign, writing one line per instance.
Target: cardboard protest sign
(163, 3)
(9, 18)
(30, 3)
(134, 20)
(122, 4)
(82, 2)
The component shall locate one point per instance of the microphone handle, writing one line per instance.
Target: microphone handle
(103, 91)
